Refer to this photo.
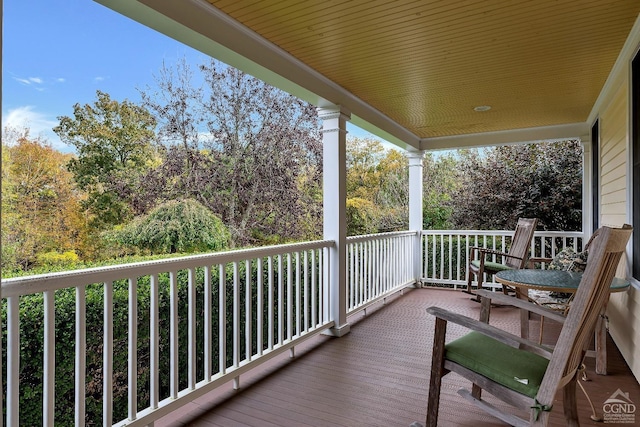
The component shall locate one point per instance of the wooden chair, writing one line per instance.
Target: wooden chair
(518, 371)
(516, 257)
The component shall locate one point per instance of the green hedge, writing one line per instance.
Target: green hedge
(32, 332)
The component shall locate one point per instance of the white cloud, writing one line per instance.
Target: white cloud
(99, 79)
(39, 125)
(61, 80)
(30, 80)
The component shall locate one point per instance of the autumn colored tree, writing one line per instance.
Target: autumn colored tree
(40, 204)
(362, 216)
(363, 173)
(441, 179)
(262, 141)
(393, 196)
(114, 147)
(377, 187)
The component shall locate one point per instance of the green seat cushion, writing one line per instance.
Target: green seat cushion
(505, 365)
(491, 266)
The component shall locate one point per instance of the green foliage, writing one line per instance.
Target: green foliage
(435, 216)
(440, 180)
(445, 249)
(67, 259)
(32, 333)
(176, 226)
(361, 216)
(377, 188)
(113, 142)
(32, 356)
(542, 180)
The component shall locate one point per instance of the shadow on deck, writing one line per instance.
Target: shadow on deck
(378, 375)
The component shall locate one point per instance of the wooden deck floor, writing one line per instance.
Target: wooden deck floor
(377, 375)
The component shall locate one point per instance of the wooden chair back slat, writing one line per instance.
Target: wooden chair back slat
(588, 304)
(520, 243)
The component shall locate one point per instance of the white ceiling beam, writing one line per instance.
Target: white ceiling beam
(488, 139)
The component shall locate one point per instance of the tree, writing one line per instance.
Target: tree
(377, 187)
(393, 195)
(542, 180)
(113, 142)
(256, 146)
(175, 104)
(362, 216)
(363, 174)
(176, 226)
(263, 139)
(441, 179)
(40, 203)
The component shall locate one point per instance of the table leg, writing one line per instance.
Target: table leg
(524, 314)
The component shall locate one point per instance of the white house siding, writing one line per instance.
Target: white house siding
(624, 308)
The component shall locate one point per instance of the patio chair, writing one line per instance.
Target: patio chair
(516, 257)
(518, 371)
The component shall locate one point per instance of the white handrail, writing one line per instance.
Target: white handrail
(378, 265)
(233, 321)
(190, 296)
(444, 260)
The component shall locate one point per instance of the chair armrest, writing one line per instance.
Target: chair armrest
(503, 299)
(540, 259)
(490, 331)
(533, 260)
(487, 251)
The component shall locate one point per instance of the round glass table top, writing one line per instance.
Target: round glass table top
(550, 280)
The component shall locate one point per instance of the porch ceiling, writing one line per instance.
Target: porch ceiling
(415, 69)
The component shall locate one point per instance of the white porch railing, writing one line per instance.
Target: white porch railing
(377, 266)
(158, 334)
(134, 342)
(141, 340)
(445, 252)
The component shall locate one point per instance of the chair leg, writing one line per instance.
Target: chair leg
(476, 391)
(479, 275)
(469, 282)
(570, 404)
(437, 372)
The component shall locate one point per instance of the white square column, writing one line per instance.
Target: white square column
(334, 141)
(415, 208)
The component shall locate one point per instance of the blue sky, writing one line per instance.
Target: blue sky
(57, 53)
